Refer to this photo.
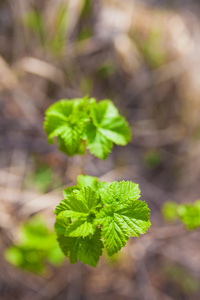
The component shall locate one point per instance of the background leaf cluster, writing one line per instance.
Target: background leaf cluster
(188, 214)
(80, 123)
(36, 246)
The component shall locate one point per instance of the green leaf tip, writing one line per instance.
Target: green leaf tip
(80, 123)
(96, 215)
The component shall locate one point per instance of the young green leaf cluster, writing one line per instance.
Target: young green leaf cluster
(188, 214)
(80, 123)
(36, 246)
(96, 215)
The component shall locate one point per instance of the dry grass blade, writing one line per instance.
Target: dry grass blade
(41, 68)
(8, 80)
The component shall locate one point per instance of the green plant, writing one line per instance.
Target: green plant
(34, 21)
(84, 122)
(188, 214)
(52, 37)
(94, 210)
(36, 246)
(94, 214)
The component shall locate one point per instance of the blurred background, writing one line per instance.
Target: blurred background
(145, 57)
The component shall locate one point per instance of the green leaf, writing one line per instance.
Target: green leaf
(72, 144)
(60, 207)
(120, 222)
(69, 247)
(85, 180)
(97, 143)
(88, 250)
(120, 192)
(63, 220)
(103, 111)
(117, 130)
(110, 123)
(103, 185)
(65, 120)
(81, 227)
(68, 191)
(108, 126)
(122, 215)
(59, 229)
(81, 206)
(82, 180)
(189, 214)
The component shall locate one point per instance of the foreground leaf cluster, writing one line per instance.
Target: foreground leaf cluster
(80, 123)
(96, 215)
